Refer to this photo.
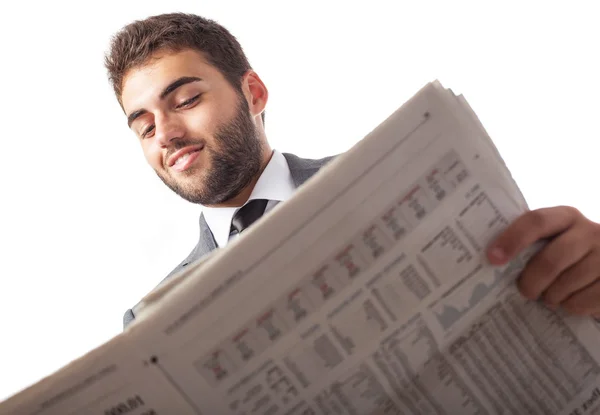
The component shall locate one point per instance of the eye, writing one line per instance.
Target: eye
(147, 131)
(188, 101)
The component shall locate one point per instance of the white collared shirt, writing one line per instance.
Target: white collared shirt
(275, 184)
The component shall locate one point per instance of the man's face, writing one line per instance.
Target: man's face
(195, 129)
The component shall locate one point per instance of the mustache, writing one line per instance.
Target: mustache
(178, 144)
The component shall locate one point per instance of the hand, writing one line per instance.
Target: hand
(566, 271)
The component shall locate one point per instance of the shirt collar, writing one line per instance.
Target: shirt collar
(275, 183)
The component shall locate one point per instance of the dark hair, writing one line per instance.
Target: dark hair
(138, 41)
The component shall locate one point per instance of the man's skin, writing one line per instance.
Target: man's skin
(565, 273)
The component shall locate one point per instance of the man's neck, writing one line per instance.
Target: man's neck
(241, 198)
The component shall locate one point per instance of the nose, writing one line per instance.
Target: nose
(168, 128)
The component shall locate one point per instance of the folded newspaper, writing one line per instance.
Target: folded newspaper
(368, 292)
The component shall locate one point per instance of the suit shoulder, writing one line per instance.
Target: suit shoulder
(296, 162)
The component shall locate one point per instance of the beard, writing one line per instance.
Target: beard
(235, 159)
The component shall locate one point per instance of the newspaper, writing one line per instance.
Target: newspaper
(368, 292)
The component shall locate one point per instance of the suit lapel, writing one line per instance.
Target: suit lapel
(207, 241)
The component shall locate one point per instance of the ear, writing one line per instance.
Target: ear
(256, 93)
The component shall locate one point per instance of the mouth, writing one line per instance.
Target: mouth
(184, 158)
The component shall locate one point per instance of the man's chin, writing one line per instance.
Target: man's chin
(186, 188)
(189, 196)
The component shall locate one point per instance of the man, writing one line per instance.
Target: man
(197, 108)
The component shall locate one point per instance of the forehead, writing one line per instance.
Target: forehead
(142, 85)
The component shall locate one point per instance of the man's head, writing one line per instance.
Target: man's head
(195, 104)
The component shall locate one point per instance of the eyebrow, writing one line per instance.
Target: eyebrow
(169, 89)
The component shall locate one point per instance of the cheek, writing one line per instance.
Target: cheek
(153, 155)
(201, 124)
(206, 120)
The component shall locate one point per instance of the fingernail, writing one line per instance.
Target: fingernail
(497, 253)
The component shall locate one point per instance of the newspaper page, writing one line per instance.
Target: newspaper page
(368, 292)
(110, 380)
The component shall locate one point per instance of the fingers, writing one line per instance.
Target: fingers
(566, 272)
(545, 267)
(584, 302)
(573, 279)
(529, 228)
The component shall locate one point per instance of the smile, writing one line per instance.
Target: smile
(184, 158)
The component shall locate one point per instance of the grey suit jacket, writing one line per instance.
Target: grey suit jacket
(300, 169)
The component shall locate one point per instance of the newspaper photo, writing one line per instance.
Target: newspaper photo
(368, 292)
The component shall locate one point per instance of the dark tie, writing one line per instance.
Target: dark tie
(248, 214)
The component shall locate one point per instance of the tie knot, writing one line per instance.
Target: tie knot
(248, 214)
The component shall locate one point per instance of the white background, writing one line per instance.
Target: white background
(86, 228)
